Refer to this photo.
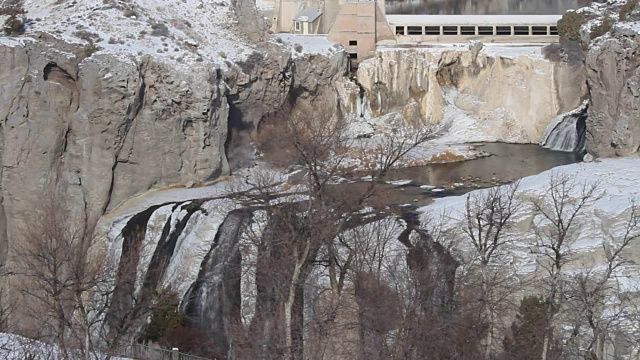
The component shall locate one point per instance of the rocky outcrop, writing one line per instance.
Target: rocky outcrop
(98, 130)
(269, 83)
(510, 94)
(613, 74)
(613, 68)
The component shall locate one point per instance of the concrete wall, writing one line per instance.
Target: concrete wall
(383, 30)
(356, 21)
(288, 10)
(329, 14)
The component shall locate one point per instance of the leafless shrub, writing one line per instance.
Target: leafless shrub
(159, 29)
(130, 12)
(14, 24)
(593, 298)
(87, 36)
(568, 52)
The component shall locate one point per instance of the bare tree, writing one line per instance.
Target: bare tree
(557, 218)
(68, 285)
(595, 300)
(318, 142)
(488, 216)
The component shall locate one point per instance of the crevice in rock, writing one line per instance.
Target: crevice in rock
(237, 147)
(123, 130)
(54, 73)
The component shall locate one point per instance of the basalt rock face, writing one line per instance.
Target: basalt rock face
(613, 75)
(269, 83)
(98, 130)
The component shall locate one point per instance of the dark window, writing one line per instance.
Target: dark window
(414, 30)
(503, 30)
(432, 30)
(399, 30)
(450, 30)
(539, 30)
(467, 30)
(485, 30)
(520, 30)
(553, 30)
(353, 42)
(353, 56)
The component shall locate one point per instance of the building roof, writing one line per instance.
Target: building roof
(308, 15)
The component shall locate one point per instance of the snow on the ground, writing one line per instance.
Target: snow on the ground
(16, 347)
(183, 32)
(301, 45)
(144, 201)
(618, 181)
(629, 25)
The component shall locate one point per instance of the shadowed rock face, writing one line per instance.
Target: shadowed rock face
(480, 7)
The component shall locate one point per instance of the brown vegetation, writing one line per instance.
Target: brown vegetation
(14, 24)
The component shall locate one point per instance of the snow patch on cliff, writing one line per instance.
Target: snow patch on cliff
(193, 244)
(301, 45)
(182, 32)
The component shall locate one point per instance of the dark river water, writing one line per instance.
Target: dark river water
(508, 162)
(479, 7)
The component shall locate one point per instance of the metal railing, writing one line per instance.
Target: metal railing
(142, 352)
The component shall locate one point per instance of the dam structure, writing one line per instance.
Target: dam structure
(463, 28)
(363, 25)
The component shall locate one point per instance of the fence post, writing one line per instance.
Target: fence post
(175, 354)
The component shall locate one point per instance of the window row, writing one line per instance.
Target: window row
(477, 30)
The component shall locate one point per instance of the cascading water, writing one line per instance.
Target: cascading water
(567, 131)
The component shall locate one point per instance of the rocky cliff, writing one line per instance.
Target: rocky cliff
(612, 38)
(93, 113)
(99, 129)
(492, 93)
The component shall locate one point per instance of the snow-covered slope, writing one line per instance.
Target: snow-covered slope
(617, 180)
(183, 32)
(16, 347)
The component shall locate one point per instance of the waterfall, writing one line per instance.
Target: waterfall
(566, 132)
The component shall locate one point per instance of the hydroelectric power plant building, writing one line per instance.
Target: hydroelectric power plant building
(362, 25)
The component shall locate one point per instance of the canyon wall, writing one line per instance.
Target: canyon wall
(95, 129)
(100, 129)
(505, 94)
(612, 39)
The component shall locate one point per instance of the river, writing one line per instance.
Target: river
(508, 162)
